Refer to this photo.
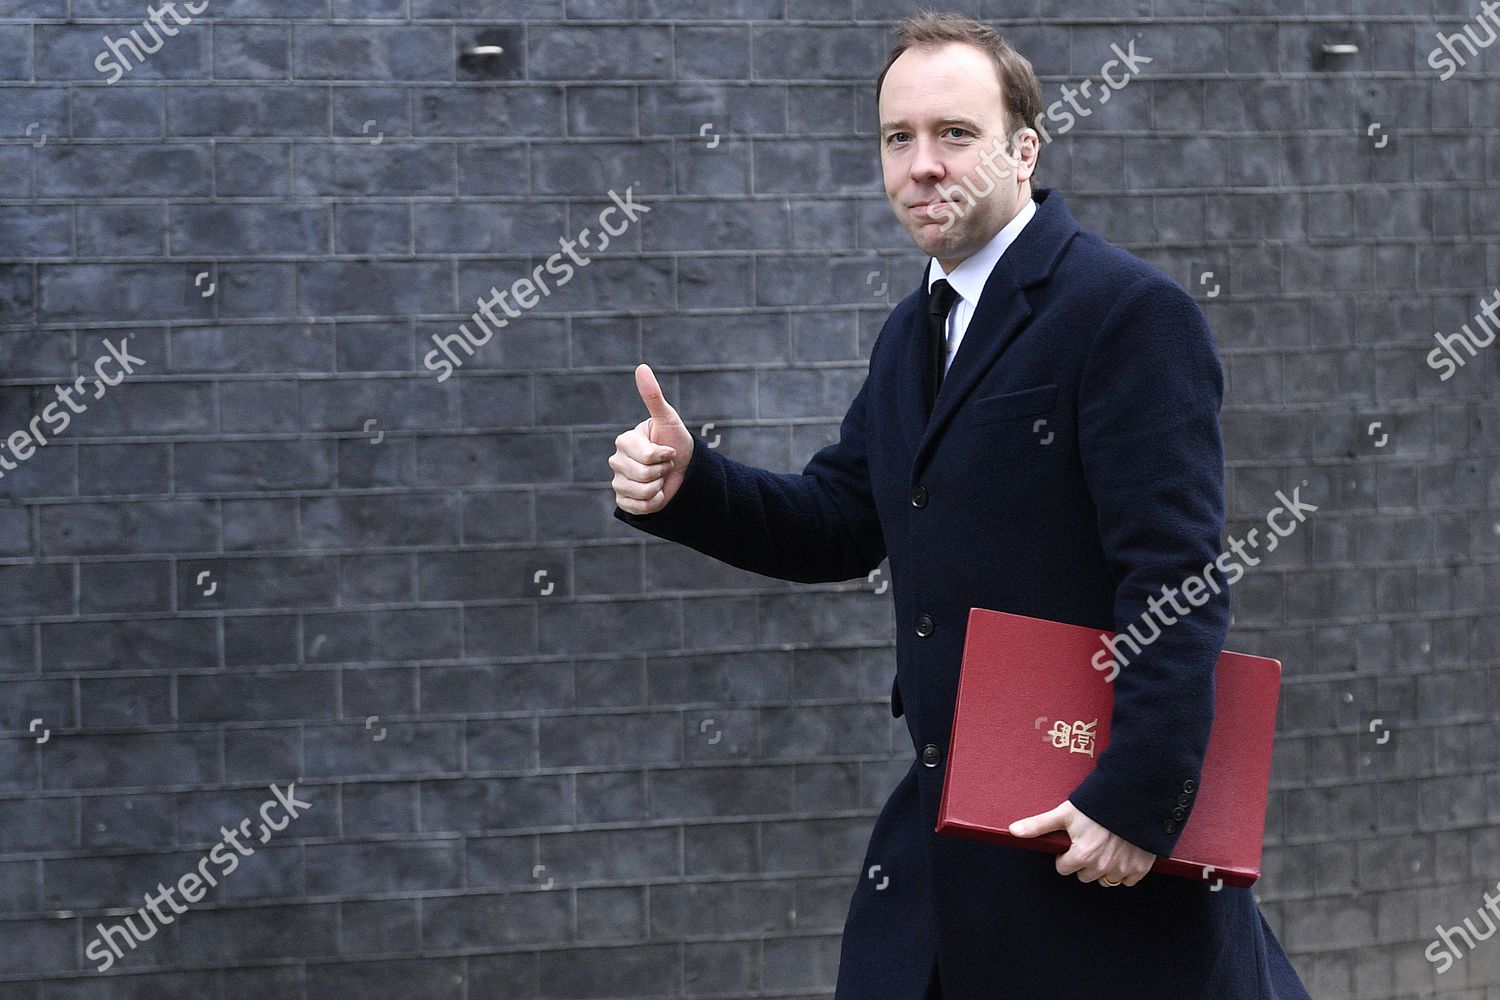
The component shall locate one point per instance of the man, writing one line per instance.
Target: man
(1070, 467)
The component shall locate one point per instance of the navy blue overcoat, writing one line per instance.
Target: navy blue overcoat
(1071, 467)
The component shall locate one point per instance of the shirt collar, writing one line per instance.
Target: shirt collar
(968, 279)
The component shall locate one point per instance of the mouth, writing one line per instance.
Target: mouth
(935, 208)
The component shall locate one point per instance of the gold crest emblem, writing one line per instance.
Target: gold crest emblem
(1077, 738)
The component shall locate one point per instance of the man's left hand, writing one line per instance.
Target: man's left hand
(1095, 852)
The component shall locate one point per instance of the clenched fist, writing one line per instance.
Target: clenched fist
(651, 458)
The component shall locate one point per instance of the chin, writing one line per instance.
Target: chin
(936, 243)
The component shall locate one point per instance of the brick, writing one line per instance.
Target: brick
(141, 759)
(292, 110)
(428, 979)
(249, 230)
(351, 186)
(384, 866)
(372, 52)
(256, 696)
(490, 804)
(251, 52)
(359, 168)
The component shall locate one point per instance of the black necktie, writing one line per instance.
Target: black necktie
(940, 300)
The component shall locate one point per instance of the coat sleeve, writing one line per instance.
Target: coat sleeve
(1152, 454)
(818, 526)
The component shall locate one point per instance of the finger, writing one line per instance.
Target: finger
(636, 491)
(1106, 870)
(641, 473)
(1088, 874)
(1133, 879)
(651, 394)
(1068, 863)
(635, 472)
(1045, 822)
(643, 450)
(633, 506)
(1085, 858)
(1107, 859)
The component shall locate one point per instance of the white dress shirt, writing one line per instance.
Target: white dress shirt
(968, 279)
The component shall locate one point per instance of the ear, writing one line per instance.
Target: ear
(1027, 147)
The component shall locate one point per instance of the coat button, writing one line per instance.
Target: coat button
(1189, 785)
(919, 496)
(1169, 826)
(931, 755)
(924, 625)
(1182, 799)
(1179, 812)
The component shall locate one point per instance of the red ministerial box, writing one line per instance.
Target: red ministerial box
(1031, 705)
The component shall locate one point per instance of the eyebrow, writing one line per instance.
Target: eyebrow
(950, 120)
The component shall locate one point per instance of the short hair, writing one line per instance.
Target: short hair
(1019, 88)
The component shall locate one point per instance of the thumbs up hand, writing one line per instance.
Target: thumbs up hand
(651, 458)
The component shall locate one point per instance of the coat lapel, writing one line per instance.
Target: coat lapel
(1003, 311)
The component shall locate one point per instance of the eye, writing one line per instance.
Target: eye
(956, 128)
(892, 137)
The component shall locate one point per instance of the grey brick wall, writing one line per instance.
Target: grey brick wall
(645, 774)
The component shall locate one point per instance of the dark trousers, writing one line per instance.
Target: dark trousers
(934, 988)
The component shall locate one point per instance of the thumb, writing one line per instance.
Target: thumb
(651, 395)
(1031, 826)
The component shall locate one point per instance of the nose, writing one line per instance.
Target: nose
(926, 164)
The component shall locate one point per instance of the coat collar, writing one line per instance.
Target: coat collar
(1003, 309)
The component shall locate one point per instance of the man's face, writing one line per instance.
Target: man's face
(942, 123)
